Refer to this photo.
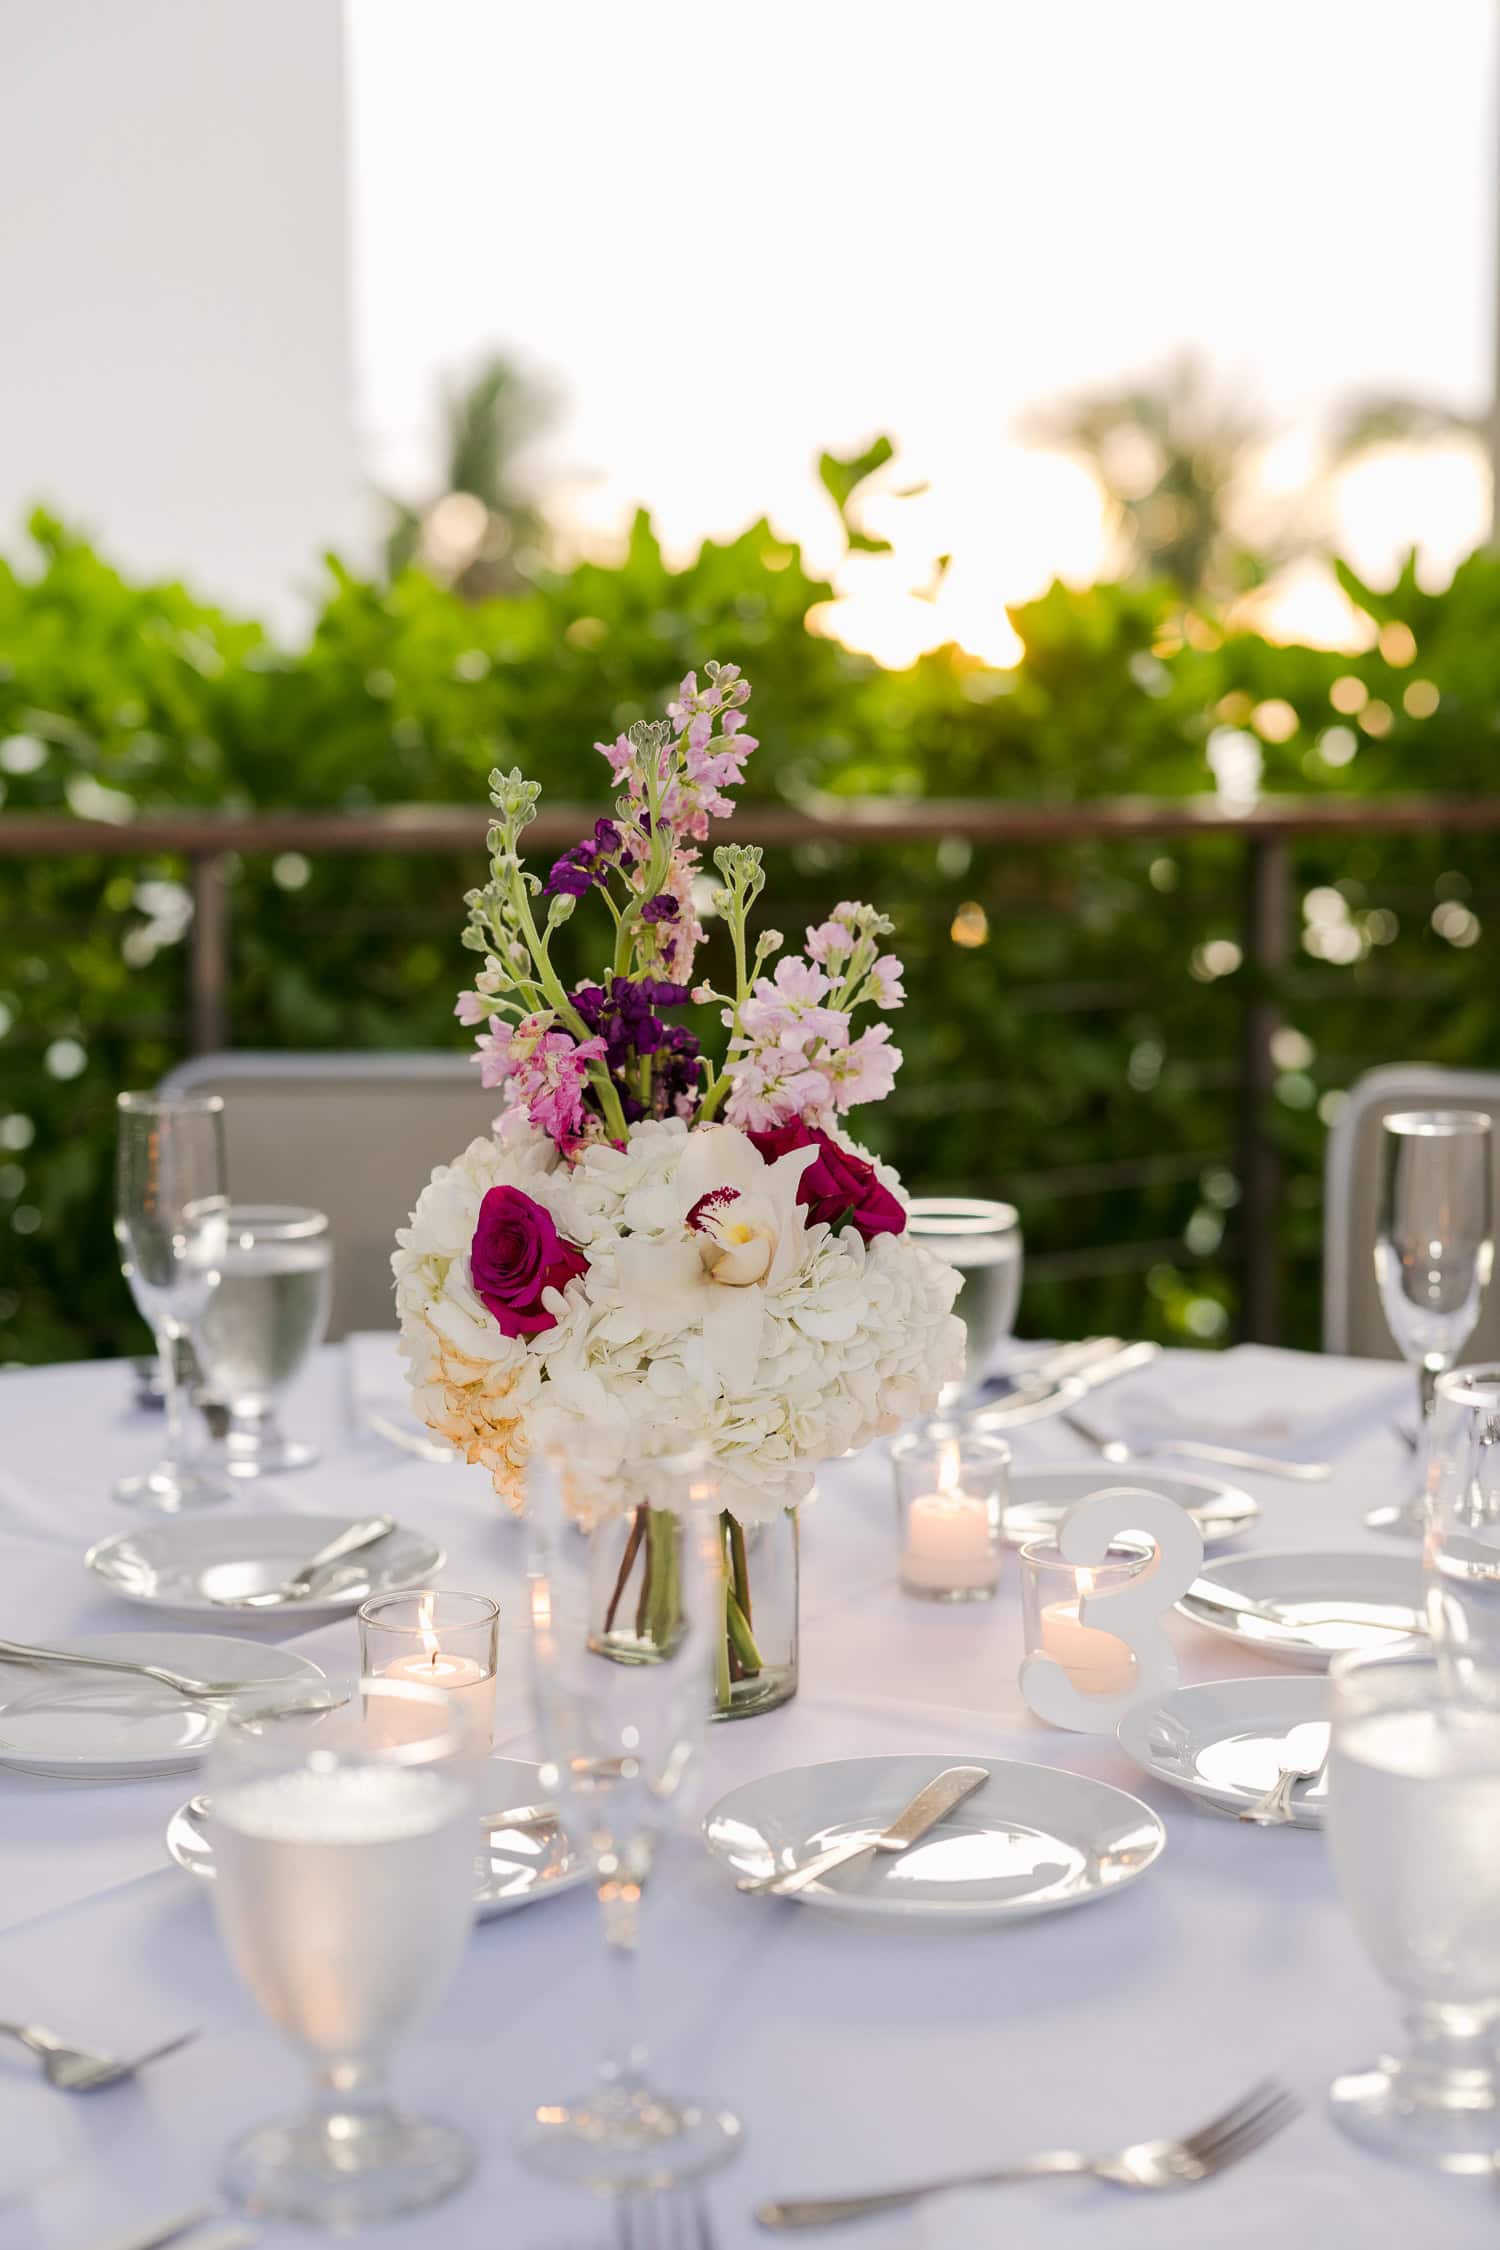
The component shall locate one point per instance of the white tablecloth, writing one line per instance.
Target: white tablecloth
(851, 2057)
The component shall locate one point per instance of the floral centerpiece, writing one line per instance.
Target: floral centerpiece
(657, 1248)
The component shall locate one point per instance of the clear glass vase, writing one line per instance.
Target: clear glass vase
(634, 1604)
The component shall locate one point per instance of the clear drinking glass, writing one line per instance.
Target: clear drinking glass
(1462, 1552)
(344, 1847)
(266, 1317)
(983, 1240)
(1433, 1254)
(441, 1639)
(171, 1215)
(621, 1716)
(1412, 1817)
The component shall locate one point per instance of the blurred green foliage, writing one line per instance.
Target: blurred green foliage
(1071, 1039)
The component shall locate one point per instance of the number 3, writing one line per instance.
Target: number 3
(1132, 1614)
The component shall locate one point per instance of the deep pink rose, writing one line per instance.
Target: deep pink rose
(837, 1185)
(516, 1253)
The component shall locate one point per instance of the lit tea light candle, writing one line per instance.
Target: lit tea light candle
(469, 1682)
(949, 1545)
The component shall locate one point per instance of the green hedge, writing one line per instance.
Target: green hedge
(1078, 1055)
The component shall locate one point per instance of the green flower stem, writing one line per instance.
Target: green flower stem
(740, 1637)
(562, 1006)
(723, 1684)
(740, 1562)
(740, 1640)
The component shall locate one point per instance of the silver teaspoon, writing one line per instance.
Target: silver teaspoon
(354, 1541)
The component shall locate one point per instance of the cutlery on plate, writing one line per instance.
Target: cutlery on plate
(300, 1584)
(1262, 2113)
(1275, 1809)
(1124, 1360)
(78, 2070)
(22, 1652)
(1193, 1449)
(1203, 1594)
(926, 1809)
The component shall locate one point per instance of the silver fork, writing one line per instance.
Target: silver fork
(1244, 2127)
(1115, 1450)
(661, 2220)
(78, 2070)
(23, 1652)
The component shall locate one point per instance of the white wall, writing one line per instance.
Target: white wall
(174, 318)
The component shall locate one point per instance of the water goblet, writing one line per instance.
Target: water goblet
(1413, 1811)
(260, 1326)
(171, 1214)
(344, 1846)
(983, 1240)
(621, 1711)
(1433, 1253)
(1462, 1546)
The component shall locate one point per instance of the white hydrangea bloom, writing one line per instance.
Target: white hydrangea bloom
(710, 1311)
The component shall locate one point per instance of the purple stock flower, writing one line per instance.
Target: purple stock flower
(662, 908)
(587, 863)
(625, 1017)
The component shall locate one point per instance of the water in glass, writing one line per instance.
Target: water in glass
(267, 1315)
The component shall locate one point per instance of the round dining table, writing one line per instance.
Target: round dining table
(854, 2056)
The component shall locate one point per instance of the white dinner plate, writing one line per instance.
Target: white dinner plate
(1039, 1498)
(515, 1867)
(102, 1726)
(1031, 1840)
(1318, 1605)
(1228, 1742)
(179, 1565)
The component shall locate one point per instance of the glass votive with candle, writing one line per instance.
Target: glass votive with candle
(436, 1640)
(1052, 1593)
(950, 1498)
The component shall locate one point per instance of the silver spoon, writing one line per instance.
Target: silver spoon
(353, 1541)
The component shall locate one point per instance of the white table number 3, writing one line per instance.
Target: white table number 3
(1132, 1613)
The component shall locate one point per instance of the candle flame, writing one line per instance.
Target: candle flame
(541, 1605)
(425, 1609)
(949, 1466)
(1085, 1585)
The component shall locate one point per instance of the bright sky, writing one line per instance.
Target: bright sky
(733, 235)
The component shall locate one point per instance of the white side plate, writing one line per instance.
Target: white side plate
(179, 1565)
(1227, 1742)
(1322, 1604)
(1040, 1498)
(102, 1726)
(1032, 1840)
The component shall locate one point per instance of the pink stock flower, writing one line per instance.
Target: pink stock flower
(885, 977)
(469, 1007)
(786, 1007)
(830, 943)
(865, 1070)
(544, 1071)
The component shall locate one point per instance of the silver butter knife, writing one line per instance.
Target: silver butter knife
(926, 1809)
(299, 1585)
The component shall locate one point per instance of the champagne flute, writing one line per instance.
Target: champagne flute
(621, 1716)
(344, 1849)
(171, 1215)
(1433, 1254)
(1413, 1811)
(261, 1325)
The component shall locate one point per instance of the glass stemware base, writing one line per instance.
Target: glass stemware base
(346, 2171)
(172, 1487)
(618, 2138)
(1403, 1519)
(1445, 2117)
(264, 1452)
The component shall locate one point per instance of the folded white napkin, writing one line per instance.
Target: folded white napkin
(1253, 1395)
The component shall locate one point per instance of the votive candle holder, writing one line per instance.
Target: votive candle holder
(1053, 1591)
(951, 1491)
(437, 1639)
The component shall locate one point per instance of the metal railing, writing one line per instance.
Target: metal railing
(1265, 836)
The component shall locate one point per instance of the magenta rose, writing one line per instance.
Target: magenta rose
(516, 1253)
(837, 1186)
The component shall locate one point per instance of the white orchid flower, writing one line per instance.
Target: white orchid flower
(740, 1232)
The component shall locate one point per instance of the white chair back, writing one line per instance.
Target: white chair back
(356, 1136)
(1352, 1317)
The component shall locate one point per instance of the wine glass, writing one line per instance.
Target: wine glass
(1462, 1554)
(1413, 1812)
(171, 1215)
(621, 1714)
(344, 1851)
(261, 1324)
(1433, 1254)
(983, 1240)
